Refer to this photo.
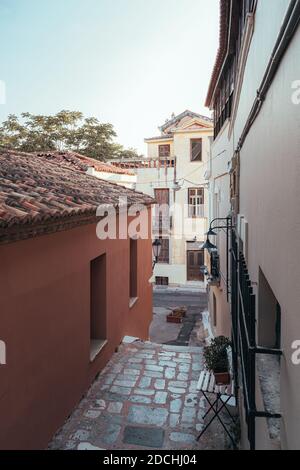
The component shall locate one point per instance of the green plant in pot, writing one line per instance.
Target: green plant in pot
(216, 359)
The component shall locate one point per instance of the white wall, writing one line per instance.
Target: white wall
(270, 196)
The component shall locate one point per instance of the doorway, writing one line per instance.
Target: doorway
(195, 259)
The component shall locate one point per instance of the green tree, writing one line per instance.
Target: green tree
(67, 130)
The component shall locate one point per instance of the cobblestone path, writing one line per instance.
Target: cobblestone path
(145, 398)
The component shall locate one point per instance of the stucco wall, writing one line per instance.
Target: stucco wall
(269, 198)
(270, 163)
(45, 322)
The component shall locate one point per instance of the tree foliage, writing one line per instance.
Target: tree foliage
(67, 130)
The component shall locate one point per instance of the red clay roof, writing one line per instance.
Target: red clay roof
(80, 162)
(38, 195)
(221, 54)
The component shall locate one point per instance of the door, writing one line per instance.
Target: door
(195, 259)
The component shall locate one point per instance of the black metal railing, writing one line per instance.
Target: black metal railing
(244, 346)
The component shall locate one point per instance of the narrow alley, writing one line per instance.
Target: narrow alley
(146, 397)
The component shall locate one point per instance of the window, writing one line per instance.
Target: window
(164, 257)
(269, 317)
(196, 150)
(97, 306)
(161, 281)
(224, 96)
(164, 151)
(215, 310)
(133, 290)
(196, 202)
(162, 212)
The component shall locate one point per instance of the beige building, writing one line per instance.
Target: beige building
(174, 173)
(254, 177)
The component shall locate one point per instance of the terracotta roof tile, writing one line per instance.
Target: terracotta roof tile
(80, 162)
(38, 190)
(221, 54)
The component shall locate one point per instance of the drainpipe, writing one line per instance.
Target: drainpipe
(287, 31)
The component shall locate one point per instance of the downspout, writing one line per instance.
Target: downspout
(286, 34)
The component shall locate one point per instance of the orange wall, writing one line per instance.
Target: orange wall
(45, 323)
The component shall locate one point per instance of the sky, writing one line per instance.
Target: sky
(128, 62)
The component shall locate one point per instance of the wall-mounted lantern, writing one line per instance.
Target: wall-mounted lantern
(156, 248)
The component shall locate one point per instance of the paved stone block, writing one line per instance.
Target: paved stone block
(134, 367)
(144, 391)
(178, 391)
(175, 405)
(109, 378)
(184, 355)
(159, 384)
(125, 381)
(183, 376)
(145, 382)
(193, 386)
(92, 414)
(196, 367)
(182, 437)
(156, 375)
(188, 415)
(170, 373)
(184, 367)
(166, 355)
(179, 384)
(135, 360)
(132, 372)
(145, 437)
(168, 364)
(147, 415)
(120, 390)
(179, 360)
(111, 434)
(115, 407)
(160, 398)
(174, 420)
(155, 368)
(191, 400)
(144, 356)
(100, 404)
(150, 362)
(117, 368)
(140, 399)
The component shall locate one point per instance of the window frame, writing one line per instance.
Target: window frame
(195, 205)
(192, 141)
(164, 154)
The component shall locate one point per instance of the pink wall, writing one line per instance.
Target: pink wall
(45, 322)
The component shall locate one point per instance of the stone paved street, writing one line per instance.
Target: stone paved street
(144, 399)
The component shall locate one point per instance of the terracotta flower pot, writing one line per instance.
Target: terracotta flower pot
(222, 378)
(174, 319)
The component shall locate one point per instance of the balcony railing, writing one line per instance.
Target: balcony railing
(146, 163)
(245, 348)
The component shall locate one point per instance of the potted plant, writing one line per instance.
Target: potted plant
(216, 359)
